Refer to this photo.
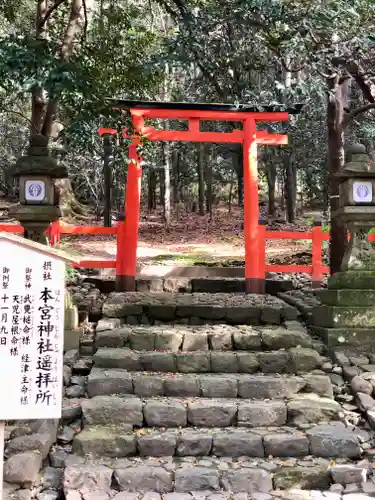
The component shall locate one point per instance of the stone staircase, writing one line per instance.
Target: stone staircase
(206, 393)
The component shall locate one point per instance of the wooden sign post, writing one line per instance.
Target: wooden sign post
(32, 288)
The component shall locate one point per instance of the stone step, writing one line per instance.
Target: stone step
(294, 360)
(232, 308)
(102, 381)
(205, 476)
(220, 337)
(168, 412)
(117, 441)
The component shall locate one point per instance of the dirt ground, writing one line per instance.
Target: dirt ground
(191, 240)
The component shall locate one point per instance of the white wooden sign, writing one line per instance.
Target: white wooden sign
(32, 281)
(362, 192)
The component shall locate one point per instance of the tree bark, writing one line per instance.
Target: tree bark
(200, 172)
(336, 159)
(107, 171)
(167, 185)
(208, 177)
(271, 172)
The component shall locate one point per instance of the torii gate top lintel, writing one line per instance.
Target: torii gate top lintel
(249, 137)
(194, 112)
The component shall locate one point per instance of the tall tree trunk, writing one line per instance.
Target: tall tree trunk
(336, 159)
(107, 171)
(208, 176)
(271, 171)
(167, 185)
(289, 167)
(290, 188)
(239, 171)
(152, 181)
(161, 187)
(200, 172)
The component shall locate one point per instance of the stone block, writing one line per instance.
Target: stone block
(352, 280)
(333, 440)
(248, 340)
(146, 385)
(193, 362)
(247, 362)
(243, 315)
(106, 324)
(107, 357)
(319, 384)
(312, 409)
(221, 341)
(219, 386)
(105, 382)
(109, 338)
(181, 285)
(181, 386)
(262, 413)
(237, 443)
(273, 361)
(72, 338)
(169, 340)
(103, 409)
(346, 298)
(105, 440)
(270, 315)
(87, 477)
(247, 480)
(194, 443)
(211, 413)
(162, 444)
(165, 413)
(286, 445)
(159, 362)
(281, 338)
(303, 359)
(161, 312)
(340, 316)
(268, 386)
(141, 339)
(195, 341)
(142, 479)
(304, 478)
(349, 474)
(117, 305)
(224, 362)
(189, 479)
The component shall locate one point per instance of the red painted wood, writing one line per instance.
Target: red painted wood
(103, 131)
(121, 249)
(89, 230)
(95, 264)
(179, 114)
(192, 136)
(262, 251)
(288, 268)
(316, 251)
(251, 201)
(129, 238)
(288, 235)
(11, 228)
(273, 139)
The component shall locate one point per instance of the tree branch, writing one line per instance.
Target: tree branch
(350, 116)
(65, 53)
(49, 12)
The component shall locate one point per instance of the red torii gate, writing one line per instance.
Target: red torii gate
(249, 137)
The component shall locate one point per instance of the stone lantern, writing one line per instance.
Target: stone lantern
(38, 198)
(357, 208)
(346, 317)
